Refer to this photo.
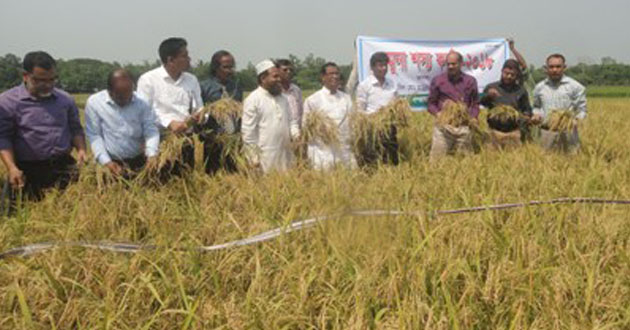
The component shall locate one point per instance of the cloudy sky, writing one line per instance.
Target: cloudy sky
(130, 31)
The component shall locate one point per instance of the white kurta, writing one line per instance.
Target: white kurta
(267, 129)
(338, 107)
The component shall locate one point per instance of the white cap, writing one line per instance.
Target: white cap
(263, 66)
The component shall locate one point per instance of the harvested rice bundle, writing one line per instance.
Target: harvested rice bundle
(454, 114)
(561, 120)
(224, 109)
(171, 148)
(319, 127)
(397, 112)
(503, 118)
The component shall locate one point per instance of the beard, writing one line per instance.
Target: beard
(275, 90)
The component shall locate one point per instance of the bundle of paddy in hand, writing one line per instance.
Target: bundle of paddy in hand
(369, 130)
(453, 114)
(503, 118)
(223, 109)
(561, 120)
(319, 127)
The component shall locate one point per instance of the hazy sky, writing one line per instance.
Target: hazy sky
(130, 31)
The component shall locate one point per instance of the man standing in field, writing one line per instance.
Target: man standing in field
(220, 84)
(268, 126)
(558, 92)
(375, 92)
(291, 91)
(336, 105)
(121, 127)
(39, 126)
(453, 86)
(174, 95)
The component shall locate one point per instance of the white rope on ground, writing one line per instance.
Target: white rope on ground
(294, 226)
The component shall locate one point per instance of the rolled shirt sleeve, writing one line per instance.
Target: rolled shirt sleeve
(150, 131)
(473, 102)
(434, 97)
(74, 122)
(580, 102)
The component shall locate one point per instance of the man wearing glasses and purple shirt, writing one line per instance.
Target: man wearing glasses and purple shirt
(39, 126)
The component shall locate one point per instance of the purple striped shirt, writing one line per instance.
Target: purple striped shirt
(37, 129)
(463, 90)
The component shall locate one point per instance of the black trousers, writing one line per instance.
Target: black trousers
(179, 167)
(215, 158)
(131, 166)
(57, 172)
(386, 151)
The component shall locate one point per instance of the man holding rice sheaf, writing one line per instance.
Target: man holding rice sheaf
(509, 105)
(121, 127)
(332, 108)
(454, 101)
(219, 86)
(268, 126)
(374, 93)
(559, 104)
(175, 96)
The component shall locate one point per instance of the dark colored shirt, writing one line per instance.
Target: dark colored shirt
(38, 129)
(212, 90)
(515, 96)
(464, 89)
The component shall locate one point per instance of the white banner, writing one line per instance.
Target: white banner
(413, 63)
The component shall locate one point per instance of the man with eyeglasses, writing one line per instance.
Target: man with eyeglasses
(39, 127)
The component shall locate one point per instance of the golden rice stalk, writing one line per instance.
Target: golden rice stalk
(397, 113)
(504, 114)
(171, 148)
(454, 114)
(223, 109)
(561, 120)
(318, 126)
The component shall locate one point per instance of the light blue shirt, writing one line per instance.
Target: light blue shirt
(565, 94)
(120, 133)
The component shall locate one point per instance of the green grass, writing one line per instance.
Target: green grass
(558, 267)
(608, 91)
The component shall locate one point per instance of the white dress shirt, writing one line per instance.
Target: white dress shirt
(566, 94)
(338, 107)
(170, 99)
(371, 95)
(267, 130)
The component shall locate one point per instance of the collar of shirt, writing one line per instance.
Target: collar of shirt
(563, 80)
(328, 92)
(374, 82)
(111, 102)
(24, 94)
(164, 74)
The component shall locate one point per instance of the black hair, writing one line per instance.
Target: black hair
(556, 55)
(460, 58)
(38, 59)
(283, 62)
(171, 48)
(215, 61)
(378, 57)
(322, 71)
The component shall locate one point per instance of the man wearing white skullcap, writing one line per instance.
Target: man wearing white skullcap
(268, 126)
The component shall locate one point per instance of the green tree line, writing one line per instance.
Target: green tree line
(89, 75)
